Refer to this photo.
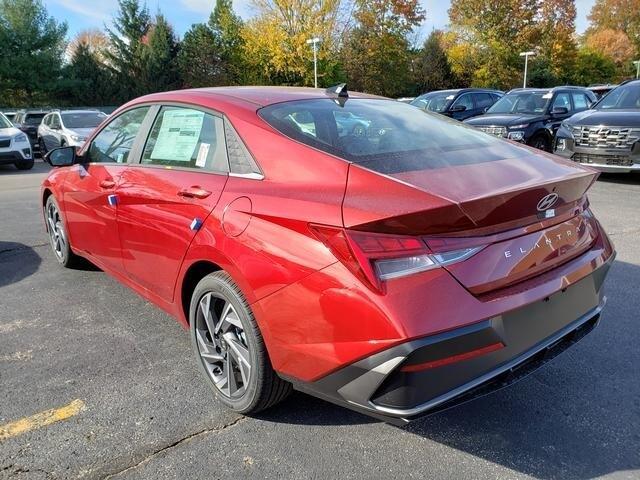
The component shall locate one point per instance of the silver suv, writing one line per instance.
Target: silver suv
(14, 146)
(67, 128)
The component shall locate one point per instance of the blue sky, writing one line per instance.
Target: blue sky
(82, 14)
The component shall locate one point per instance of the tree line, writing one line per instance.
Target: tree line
(371, 44)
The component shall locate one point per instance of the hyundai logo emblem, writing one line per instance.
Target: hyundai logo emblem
(547, 202)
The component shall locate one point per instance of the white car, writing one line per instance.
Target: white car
(67, 128)
(15, 148)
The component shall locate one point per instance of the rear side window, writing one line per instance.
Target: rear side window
(240, 160)
(384, 135)
(483, 100)
(580, 101)
(114, 142)
(186, 138)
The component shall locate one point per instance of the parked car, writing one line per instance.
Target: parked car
(601, 90)
(28, 121)
(607, 136)
(396, 272)
(14, 146)
(459, 104)
(532, 115)
(67, 127)
(9, 115)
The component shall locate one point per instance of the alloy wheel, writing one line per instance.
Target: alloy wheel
(56, 231)
(222, 345)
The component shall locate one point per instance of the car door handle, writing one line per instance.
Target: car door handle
(107, 184)
(194, 192)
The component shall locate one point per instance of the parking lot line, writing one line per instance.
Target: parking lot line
(41, 419)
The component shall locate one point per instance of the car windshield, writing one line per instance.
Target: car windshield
(434, 102)
(82, 119)
(34, 118)
(383, 135)
(623, 97)
(529, 103)
(4, 122)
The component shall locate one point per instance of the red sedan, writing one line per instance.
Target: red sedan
(349, 246)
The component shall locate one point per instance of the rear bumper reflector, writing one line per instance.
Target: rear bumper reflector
(453, 359)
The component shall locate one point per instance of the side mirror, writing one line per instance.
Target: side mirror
(485, 109)
(458, 108)
(557, 111)
(61, 157)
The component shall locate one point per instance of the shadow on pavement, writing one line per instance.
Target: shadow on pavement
(17, 261)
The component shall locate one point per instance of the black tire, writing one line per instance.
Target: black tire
(24, 164)
(60, 247)
(263, 388)
(541, 141)
(43, 147)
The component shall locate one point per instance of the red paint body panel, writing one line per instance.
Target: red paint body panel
(315, 315)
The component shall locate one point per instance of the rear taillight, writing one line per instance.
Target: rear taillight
(376, 257)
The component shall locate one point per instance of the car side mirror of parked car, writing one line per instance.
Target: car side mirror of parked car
(557, 111)
(61, 157)
(458, 108)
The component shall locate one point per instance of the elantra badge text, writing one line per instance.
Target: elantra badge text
(547, 241)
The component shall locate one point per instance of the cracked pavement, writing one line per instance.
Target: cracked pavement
(67, 334)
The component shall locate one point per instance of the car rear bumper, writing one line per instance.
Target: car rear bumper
(433, 373)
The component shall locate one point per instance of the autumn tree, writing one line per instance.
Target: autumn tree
(433, 71)
(620, 15)
(555, 38)
(495, 32)
(94, 40)
(377, 55)
(614, 44)
(275, 41)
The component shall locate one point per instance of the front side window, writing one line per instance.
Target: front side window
(115, 141)
(464, 100)
(187, 138)
(393, 136)
(528, 103)
(562, 101)
(621, 98)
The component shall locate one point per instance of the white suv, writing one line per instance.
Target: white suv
(14, 146)
(67, 128)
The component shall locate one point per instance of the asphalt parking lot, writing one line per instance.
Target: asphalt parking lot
(121, 370)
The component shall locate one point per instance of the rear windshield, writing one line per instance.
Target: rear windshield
(34, 118)
(383, 135)
(83, 119)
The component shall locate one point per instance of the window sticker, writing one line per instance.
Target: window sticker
(203, 153)
(178, 135)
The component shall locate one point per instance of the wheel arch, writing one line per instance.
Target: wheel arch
(196, 272)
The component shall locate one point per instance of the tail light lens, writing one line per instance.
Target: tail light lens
(376, 257)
